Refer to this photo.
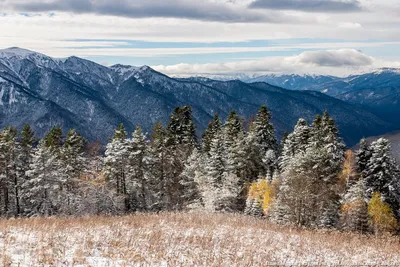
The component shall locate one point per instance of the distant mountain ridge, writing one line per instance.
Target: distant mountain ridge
(94, 99)
(378, 92)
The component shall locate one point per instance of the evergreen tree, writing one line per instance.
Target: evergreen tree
(264, 131)
(138, 168)
(54, 138)
(180, 141)
(191, 175)
(253, 208)
(214, 127)
(232, 128)
(296, 142)
(117, 163)
(382, 174)
(74, 165)
(120, 132)
(158, 162)
(311, 166)
(181, 129)
(44, 188)
(8, 171)
(363, 155)
(24, 159)
(265, 142)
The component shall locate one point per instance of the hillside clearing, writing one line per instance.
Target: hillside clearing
(179, 239)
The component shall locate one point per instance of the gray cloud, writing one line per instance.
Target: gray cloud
(309, 5)
(335, 58)
(186, 9)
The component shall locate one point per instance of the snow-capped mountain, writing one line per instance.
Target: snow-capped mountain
(331, 85)
(294, 81)
(92, 98)
(378, 91)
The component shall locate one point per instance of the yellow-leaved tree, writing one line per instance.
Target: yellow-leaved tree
(263, 192)
(382, 218)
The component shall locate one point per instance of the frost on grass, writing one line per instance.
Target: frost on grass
(183, 239)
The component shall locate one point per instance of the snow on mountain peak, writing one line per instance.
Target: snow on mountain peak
(15, 52)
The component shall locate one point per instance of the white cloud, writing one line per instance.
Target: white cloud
(334, 58)
(335, 62)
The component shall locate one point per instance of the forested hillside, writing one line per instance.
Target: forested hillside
(306, 179)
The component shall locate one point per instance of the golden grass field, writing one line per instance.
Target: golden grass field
(184, 239)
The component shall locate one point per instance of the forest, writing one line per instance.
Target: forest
(308, 178)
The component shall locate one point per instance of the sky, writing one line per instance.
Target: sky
(211, 37)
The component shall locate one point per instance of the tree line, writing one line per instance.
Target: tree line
(306, 179)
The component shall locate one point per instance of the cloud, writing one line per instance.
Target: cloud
(327, 6)
(335, 62)
(184, 9)
(335, 58)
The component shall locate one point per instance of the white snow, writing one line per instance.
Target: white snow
(15, 52)
(183, 240)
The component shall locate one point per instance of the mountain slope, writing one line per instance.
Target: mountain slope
(385, 78)
(92, 98)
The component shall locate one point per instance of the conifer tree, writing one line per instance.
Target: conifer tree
(117, 163)
(363, 155)
(181, 129)
(180, 140)
(296, 142)
(214, 127)
(232, 128)
(382, 174)
(24, 160)
(158, 162)
(264, 131)
(138, 168)
(54, 138)
(191, 175)
(74, 165)
(44, 188)
(8, 171)
(265, 142)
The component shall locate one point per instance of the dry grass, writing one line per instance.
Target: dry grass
(179, 239)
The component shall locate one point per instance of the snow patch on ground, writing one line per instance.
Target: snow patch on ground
(179, 239)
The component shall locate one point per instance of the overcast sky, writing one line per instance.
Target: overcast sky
(205, 37)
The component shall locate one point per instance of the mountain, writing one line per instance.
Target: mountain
(296, 82)
(386, 78)
(92, 98)
(378, 92)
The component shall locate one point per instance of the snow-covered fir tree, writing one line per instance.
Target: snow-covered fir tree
(382, 174)
(295, 143)
(214, 127)
(9, 193)
(180, 141)
(74, 164)
(23, 161)
(192, 174)
(137, 170)
(363, 155)
(117, 163)
(266, 142)
(47, 178)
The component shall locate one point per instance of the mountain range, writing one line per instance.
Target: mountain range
(378, 92)
(94, 99)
